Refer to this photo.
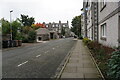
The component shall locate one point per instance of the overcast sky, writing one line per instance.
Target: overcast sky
(42, 10)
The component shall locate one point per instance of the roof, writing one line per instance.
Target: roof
(42, 31)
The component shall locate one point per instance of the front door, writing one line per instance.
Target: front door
(51, 35)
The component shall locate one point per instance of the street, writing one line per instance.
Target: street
(35, 61)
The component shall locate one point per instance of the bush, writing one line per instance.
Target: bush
(80, 37)
(100, 53)
(114, 65)
(25, 38)
(31, 36)
(86, 41)
(18, 36)
(94, 45)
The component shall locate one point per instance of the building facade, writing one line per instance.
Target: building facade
(101, 22)
(109, 23)
(58, 28)
(90, 19)
(42, 34)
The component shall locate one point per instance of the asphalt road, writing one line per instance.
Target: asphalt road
(35, 61)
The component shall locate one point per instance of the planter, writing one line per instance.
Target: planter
(19, 42)
(5, 44)
(15, 43)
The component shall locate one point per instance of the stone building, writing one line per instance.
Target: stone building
(101, 22)
(42, 34)
(90, 19)
(56, 29)
(109, 23)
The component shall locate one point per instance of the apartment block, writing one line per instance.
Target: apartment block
(101, 22)
(109, 23)
(90, 18)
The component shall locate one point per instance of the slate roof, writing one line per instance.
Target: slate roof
(42, 31)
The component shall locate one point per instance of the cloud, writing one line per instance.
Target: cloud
(42, 10)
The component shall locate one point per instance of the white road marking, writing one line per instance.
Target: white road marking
(22, 63)
(38, 55)
(53, 48)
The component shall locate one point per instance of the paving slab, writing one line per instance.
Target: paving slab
(80, 64)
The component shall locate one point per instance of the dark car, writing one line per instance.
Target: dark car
(75, 36)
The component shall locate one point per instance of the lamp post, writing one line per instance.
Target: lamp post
(10, 24)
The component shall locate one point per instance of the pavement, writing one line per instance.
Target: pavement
(80, 64)
(39, 60)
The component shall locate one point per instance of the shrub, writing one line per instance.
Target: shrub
(18, 36)
(101, 54)
(94, 45)
(86, 41)
(25, 38)
(31, 36)
(80, 37)
(114, 65)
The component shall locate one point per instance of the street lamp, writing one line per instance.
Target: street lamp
(10, 24)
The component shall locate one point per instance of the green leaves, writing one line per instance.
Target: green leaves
(29, 34)
(5, 26)
(27, 21)
(15, 26)
(32, 36)
(114, 65)
(76, 23)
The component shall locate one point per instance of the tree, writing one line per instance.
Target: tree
(32, 36)
(38, 25)
(76, 25)
(15, 27)
(5, 26)
(26, 20)
(29, 34)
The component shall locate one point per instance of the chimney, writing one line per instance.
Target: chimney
(67, 22)
(59, 22)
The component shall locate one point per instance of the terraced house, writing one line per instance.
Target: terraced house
(102, 21)
(58, 28)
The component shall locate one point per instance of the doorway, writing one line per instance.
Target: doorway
(39, 38)
(51, 35)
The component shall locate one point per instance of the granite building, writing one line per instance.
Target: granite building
(57, 28)
(101, 21)
(90, 19)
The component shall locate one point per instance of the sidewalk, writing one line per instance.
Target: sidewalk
(80, 64)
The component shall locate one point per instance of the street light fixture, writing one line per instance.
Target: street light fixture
(10, 24)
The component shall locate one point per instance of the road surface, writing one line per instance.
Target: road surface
(35, 61)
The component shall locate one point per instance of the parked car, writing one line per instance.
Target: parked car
(75, 36)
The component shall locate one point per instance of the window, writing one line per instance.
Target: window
(46, 25)
(103, 30)
(64, 26)
(56, 25)
(53, 25)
